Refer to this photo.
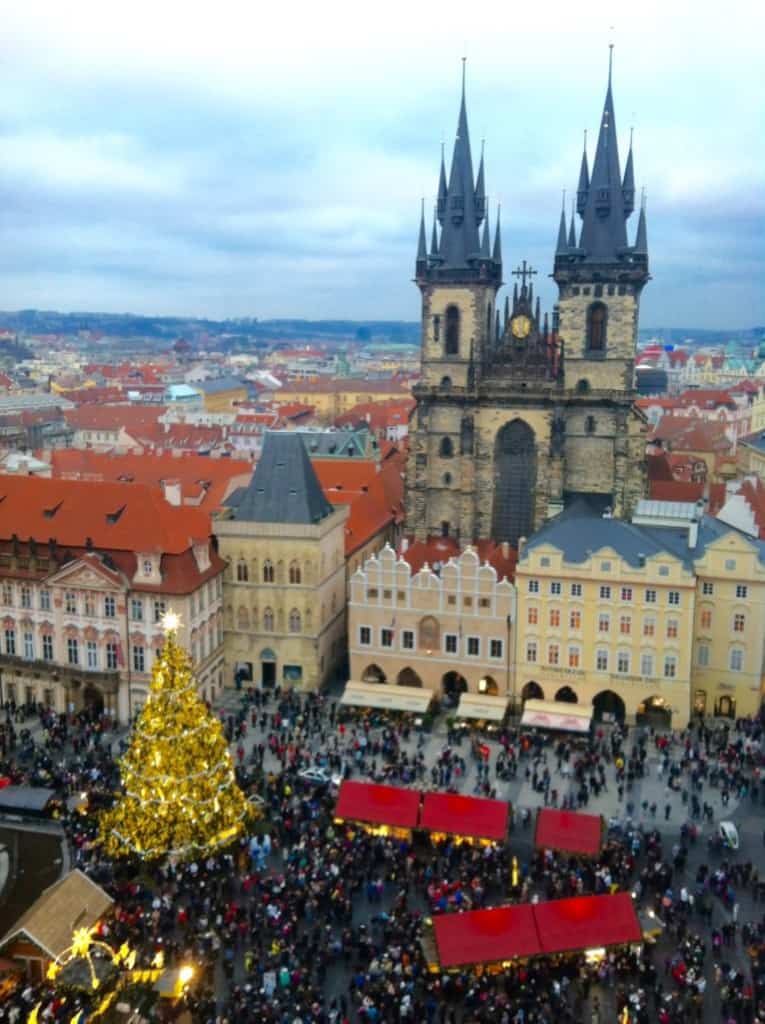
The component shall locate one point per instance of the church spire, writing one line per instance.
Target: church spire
(641, 238)
(497, 254)
(583, 187)
(442, 189)
(485, 243)
(604, 231)
(434, 237)
(480, 192)
(459, 239)
(572, 230)
(422, 249)
(628, 185)
(562, 245)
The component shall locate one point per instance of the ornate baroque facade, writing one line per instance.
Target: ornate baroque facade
(517, 414)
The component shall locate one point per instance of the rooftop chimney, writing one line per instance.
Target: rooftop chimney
(693, 534)
(607, 514)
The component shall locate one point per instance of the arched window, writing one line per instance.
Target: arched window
(446, 448)
(582, 386)
(242, 618)
(589, 425)
(268, 620)
(242, 575)
(295, 574)
(596, 327)
(446, 383)
(295, 623)
(452, 344)
(268, 571)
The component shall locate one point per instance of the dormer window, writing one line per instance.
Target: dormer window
(148, 567)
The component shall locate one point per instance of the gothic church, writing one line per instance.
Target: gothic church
(518, 415)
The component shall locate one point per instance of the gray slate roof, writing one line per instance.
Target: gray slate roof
(284, 487)
(578, 534)
(217, 384)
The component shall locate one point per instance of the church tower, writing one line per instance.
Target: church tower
(600, 279)
(458, 279)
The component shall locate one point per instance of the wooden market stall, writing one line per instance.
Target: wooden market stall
(569, 832)
(482, 711)
(379, 810)
(467, 818)
(557, 716)
(590, 924)
(486, 936)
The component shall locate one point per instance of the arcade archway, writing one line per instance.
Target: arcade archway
(454, 684)
(532, 691)
(608, 706)
(373, 674)
(567, 695)
(654, 711)
(408, 677)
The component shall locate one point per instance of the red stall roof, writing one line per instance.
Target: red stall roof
(378, 805)
(568, 831)
(464, 815)
(486, 936)
(587, 922)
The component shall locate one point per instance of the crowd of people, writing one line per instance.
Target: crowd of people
(311, 922)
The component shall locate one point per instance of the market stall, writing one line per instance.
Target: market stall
(496, 936)
(384, 700)
(481, 712)
(467, 818)
(379, 810)
(590, 924)
(569, 832)
(557, 716)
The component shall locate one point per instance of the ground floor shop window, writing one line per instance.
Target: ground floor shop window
(292, 673)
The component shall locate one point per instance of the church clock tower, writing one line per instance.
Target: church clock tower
(458, 279)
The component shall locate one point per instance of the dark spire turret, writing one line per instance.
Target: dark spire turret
(583, 188)
(562, 244)
(422, 249)
(497, 254)
(572, 231)
(434, 237)
(628, 184)
(461, 208)
(641, 238)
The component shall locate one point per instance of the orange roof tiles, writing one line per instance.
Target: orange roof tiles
(342, 384)
(686, 433)
(204, 481)
(437, 551)
(111, 417)
(132, 517)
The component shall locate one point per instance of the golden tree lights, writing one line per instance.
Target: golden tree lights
(180, 796)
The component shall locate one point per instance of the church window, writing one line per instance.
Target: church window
(452, 331)
(622, 289)
(268, 620)
(446, 383)
(445, 528)
(446, 449)
(241, 571)
(268, 571)
(575, 290)
(295, 624)
(421, 459)
(589, 425)
(598, 290)
(610, 289)
(436, 328)
(596, 327)
(447, 479)
(295, 573)
(585, 291)
(488, 319)
(582, 386)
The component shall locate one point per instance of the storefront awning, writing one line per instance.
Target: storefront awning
(378, 805)
(386, 695)
(482, 706)
(465, 816)
(568, 832)
(552, 714)
(486, 936)
(587, 922)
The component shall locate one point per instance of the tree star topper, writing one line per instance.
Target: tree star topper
(171, 622)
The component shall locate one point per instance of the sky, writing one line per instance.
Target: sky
(257, 159)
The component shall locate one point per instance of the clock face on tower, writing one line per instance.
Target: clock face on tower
(520, 326)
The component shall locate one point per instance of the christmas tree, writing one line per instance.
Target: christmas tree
(180, 796)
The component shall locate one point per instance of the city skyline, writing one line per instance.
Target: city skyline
(244, 166)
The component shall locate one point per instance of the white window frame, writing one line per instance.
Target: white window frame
(473, 640)
(620, 656)
(451, 639)
(702, 662)
(601, 655)
(369, 633)
(736, 659)
(576, 589)
(500, 656)
(407, 633)
(389, 634)
(647, 664)
(91, 654)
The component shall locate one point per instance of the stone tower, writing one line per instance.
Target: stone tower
(600, 279)
(519, 414)
(458, 279)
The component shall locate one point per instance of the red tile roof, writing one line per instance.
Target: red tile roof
(437, 551)
(91, 396)
(342, 384)
(126, 517)
(676, 490)
(379, 415)
(685, 433)
(204, 481)
(133, 418)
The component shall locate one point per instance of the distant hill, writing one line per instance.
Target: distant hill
(251, 330)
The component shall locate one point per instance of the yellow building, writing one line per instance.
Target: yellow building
(284, 588)
(650, 621)
(222, 394)
(333, 396)
(450, 632)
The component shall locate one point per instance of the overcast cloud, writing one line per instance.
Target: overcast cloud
(252, 159)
